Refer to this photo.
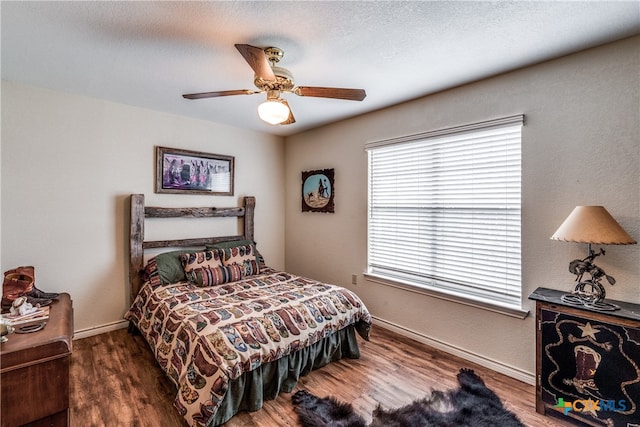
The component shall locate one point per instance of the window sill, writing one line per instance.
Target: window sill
(436, 293)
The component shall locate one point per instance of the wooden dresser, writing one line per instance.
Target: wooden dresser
(588, 362)
(34, 372)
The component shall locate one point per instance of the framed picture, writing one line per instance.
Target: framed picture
(193, 172)
(318, 191)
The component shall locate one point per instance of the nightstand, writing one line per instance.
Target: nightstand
(587, 362)
(34, 371)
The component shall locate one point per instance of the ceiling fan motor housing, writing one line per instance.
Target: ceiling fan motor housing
(283, 81)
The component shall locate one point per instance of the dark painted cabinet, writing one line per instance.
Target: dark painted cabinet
(588, 362)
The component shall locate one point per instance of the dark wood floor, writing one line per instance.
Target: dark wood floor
(116, 382)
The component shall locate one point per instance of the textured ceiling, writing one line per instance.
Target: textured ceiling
(149, 53)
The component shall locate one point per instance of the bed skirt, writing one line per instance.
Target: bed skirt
(252, 389)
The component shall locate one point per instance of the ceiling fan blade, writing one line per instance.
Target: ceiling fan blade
(219, 93)
(257, 60)
(331, 92)
(290, 120)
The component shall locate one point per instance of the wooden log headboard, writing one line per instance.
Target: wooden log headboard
(140, 212)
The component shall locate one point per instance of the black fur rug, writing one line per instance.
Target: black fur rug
(471, 404)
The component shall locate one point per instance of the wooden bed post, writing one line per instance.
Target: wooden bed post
(136, 238)
(249, 208)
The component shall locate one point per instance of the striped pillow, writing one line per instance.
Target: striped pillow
(199, 260)
(211, 276)
(243, 256)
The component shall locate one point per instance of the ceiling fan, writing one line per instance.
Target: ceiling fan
(275, 81)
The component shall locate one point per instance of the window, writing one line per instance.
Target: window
(444, 212)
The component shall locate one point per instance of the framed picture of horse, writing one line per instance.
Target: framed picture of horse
(193, 172)
(318, 191)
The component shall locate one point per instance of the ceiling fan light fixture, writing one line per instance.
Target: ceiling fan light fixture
(273, 111)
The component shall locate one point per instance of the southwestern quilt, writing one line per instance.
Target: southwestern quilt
(203, 337)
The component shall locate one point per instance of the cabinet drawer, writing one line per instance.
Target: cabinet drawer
(36, 391)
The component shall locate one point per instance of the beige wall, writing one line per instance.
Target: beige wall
(68, 166)
(581, 146)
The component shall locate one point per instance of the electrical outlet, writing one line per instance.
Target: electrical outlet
(354, 279)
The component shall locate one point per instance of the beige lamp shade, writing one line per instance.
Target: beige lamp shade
(594, 225)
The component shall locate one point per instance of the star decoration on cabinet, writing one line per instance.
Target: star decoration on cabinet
(589, 331)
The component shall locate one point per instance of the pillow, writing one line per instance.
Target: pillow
(233, 243)
(244, 256)
(170, 267)
(166, 268)
(230, 244)
(211, 276)
(203, 259)
(151, 274)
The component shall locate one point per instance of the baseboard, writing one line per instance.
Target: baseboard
(510, 371)
(96, 330)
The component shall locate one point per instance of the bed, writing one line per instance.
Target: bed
(228, 330)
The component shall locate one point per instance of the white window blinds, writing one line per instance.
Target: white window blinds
(444, 210)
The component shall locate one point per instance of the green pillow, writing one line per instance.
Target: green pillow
(170, 268)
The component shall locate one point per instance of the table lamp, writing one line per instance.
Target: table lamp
(592, 225)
